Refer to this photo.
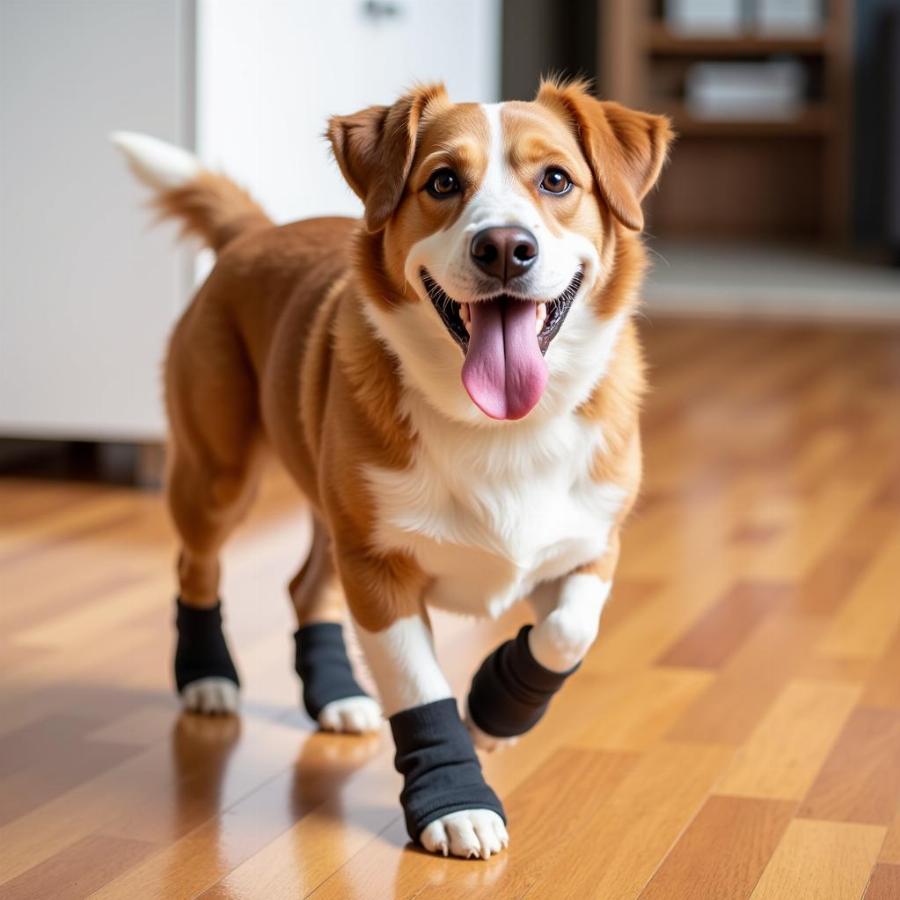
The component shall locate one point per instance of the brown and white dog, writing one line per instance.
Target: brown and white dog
(453, 382)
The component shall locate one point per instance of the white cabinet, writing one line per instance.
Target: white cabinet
(88, 288)
(269, 75)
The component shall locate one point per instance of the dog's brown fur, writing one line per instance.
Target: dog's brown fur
(276, 345)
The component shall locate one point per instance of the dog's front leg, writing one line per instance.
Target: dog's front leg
(446, 802)
(515, 684)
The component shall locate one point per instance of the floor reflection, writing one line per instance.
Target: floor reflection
(325, 763)
(418, 867)
(201, 749)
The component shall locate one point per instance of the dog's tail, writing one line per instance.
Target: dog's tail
(208, 204)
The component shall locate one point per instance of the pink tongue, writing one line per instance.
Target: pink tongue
(504, 371)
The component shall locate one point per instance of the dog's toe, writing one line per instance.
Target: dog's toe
(470, 834)
(434, 838)
(351, 715)
(212, 696)
(488, 838)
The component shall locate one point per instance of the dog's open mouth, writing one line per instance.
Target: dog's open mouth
(457, 317)
(504, 339)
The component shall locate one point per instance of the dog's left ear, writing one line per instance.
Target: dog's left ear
(375, 147)
(625, 148)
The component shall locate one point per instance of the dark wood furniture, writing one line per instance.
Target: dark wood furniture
(744, 179)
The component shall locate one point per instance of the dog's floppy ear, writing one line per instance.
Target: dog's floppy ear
(374, 149)
(626, 149)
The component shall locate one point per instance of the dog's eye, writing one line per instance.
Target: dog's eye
(443, 183)
(555, 181)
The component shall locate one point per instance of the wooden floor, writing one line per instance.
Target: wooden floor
(735, 732)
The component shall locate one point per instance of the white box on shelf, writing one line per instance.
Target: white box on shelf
(690, 17)
(758, 91)
(802, 17)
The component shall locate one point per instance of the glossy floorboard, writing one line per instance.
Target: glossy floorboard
(734, 733)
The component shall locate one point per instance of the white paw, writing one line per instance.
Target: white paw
(477, 833)
(487, 742)
(351, 715)
(213, 696)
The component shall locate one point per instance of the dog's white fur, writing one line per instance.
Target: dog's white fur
(213, 696)
(564, 635)
(469, 833)
(403, 664)
(351, 715)
(491, 510)
(157, 164)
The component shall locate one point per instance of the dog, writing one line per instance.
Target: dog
(453, 382)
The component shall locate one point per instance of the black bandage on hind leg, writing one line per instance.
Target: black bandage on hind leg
(201, 651)
(512, 690)
(441, 773)
(321, 661)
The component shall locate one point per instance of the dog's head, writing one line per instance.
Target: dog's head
(491, 231)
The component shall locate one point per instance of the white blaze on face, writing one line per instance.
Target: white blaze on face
(431, 360)
(501, 200)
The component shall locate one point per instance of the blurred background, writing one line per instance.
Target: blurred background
(782, 199)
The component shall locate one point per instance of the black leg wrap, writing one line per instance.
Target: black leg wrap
(512, 690)
(441, 773)
(201, 651)
(322, 663)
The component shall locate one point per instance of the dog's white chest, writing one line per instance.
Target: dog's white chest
(490, 514)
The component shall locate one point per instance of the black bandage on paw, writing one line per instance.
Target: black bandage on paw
(441, 773)
(512, 690)
(321, 661)
(201, 651)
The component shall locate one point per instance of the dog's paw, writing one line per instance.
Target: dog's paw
(487, 742)
(212, 696)
(470, 833)
(351, 715)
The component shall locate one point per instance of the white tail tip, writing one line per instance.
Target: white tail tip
(160, 165)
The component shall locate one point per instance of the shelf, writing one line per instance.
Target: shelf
(811, 122)
(772, 175)
(663, 42)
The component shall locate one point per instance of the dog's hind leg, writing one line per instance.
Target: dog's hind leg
(212, 474)
(331, 694)
(205, 506)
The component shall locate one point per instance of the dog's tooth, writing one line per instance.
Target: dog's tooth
(540, 316)
(465, 315)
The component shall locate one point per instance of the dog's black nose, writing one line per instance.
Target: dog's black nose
(504, 252)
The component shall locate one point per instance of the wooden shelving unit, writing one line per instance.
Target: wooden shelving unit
(660, 41)
(814, 120)
(753, 178)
